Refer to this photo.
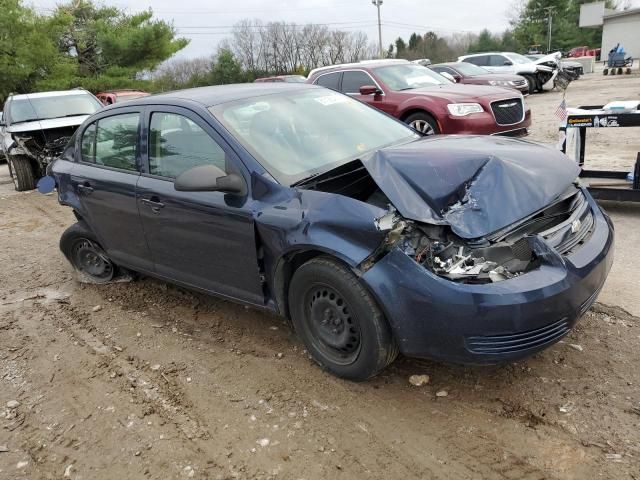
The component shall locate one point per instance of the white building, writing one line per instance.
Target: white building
(618, 26)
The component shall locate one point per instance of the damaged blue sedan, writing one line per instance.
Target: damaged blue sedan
(372, 239)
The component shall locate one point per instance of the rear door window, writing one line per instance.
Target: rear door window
(112, 141)
(481, 60)
(329, 80)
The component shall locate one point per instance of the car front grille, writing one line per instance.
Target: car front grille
(568, 236)
(508, 112)
(517, 342)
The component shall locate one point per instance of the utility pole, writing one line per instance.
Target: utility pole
(378, 3)
(549, 24)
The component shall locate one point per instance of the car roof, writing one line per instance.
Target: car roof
(363, 65)
(218, 94)
(59, 93)
(446, 64)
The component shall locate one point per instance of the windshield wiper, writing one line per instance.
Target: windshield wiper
(25, 120)
(406, 88)
(70, 115)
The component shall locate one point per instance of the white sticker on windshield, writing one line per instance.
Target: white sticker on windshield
(331, 99)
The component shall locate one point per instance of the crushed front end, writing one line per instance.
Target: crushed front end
(499, 298)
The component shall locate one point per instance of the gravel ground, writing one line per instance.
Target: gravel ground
(145, 380)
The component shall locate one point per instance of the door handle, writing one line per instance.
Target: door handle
(153, 203)
(85, 188)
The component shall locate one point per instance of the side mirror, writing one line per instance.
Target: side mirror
(209, 178)
(457, 77)
(508, 63)
(370, 90)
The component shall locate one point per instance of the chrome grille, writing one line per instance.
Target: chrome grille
(508, 112)
(512, 343)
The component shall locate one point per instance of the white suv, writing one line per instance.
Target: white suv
(540, 74)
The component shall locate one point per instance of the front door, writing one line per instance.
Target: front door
(352, 80)
(203, 239)
(105, 177)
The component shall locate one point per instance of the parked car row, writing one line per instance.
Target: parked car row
(426, 100)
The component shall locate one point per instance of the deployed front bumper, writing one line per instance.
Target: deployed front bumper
(492, 323)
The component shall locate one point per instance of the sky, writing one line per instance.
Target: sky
(206, 22)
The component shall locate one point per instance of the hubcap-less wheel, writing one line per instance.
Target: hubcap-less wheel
(334, 331)
(88, 259)
(423, 127)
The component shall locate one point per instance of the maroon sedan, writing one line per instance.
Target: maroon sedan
(426, 100)
(470, 74)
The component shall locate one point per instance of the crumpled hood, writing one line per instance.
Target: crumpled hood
(47, 124)
(475, 184)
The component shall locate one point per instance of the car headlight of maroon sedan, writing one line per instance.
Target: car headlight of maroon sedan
(371, 238)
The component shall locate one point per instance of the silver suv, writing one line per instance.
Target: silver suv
(540, 74)
(35, 127)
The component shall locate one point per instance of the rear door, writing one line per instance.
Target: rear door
(105, 177)
(203, 239)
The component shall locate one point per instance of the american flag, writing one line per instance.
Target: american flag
(561, 111)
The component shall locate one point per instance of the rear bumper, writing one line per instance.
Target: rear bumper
(480, 124)
(494, 323)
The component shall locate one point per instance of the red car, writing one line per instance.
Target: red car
(584, 51)
(117, 96)
(470, 74)
(426, 100)
(282, 78)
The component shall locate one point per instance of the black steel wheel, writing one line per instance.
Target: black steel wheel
(338, 321)
(88, 258)
(334, 330)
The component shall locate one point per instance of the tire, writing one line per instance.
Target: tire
(605, 71)
(531, 82)
(338, 321)
(423, 122)
(86, 255)
(21, 172)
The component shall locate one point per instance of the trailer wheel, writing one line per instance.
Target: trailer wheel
(21, 172)
(619, 70)
(613, 71)
(628, 71)
(605, 71)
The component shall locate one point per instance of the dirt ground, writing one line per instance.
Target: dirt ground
(144, 380)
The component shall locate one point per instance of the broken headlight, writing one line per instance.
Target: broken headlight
(450, 257)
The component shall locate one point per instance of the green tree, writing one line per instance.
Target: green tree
(226, 69)
(401, 47)
(109, 47)
(27, 50)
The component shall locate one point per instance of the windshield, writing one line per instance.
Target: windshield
(469, 69)
(296, 135)
(517, 58)
(409, 76)
(43, 108)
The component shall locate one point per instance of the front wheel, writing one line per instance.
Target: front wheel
(423, 123)
(338, 321)
(531, 82)
(21, 172)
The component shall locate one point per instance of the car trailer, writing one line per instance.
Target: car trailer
(602, 184)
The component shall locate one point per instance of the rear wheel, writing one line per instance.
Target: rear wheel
(21, 172)
(423, 122)
(338, 321)
(86, 255)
